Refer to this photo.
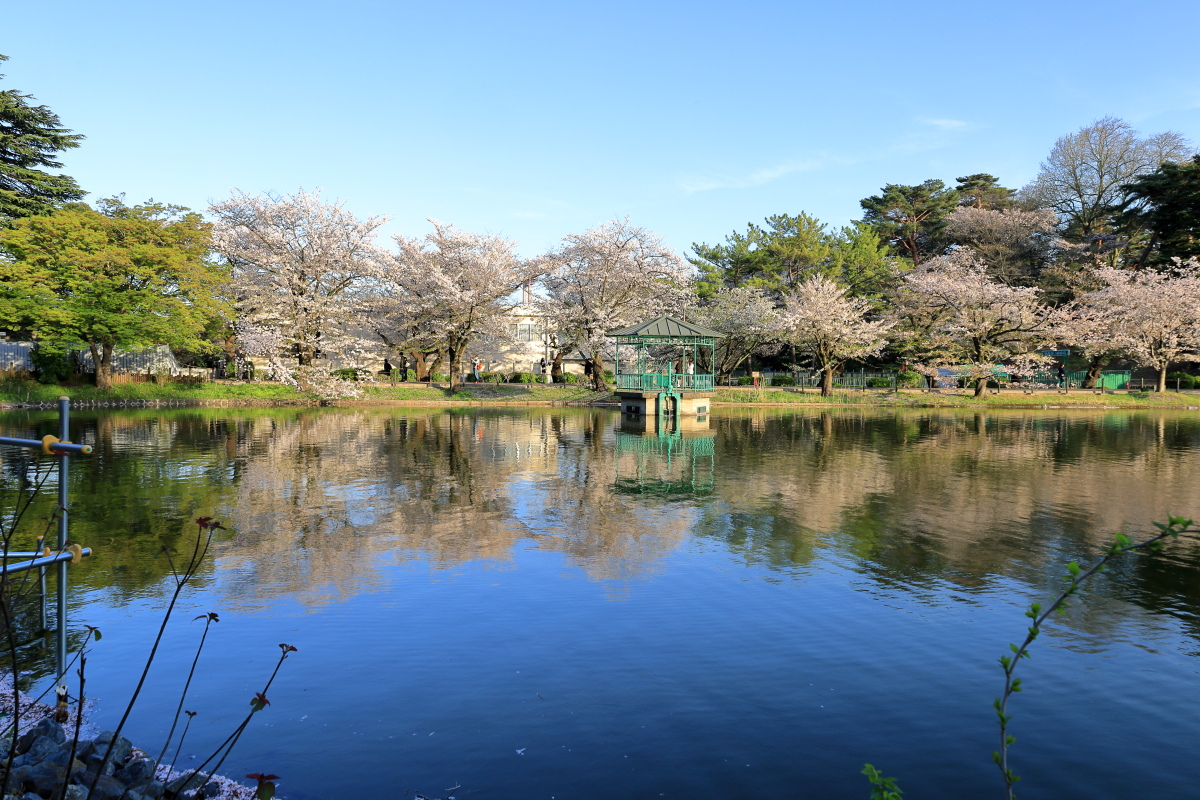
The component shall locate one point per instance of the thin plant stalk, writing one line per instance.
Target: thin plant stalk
(209, 619)
(199, 549)
(1074, 579)
(258, 703)
(182, 736)
(23, 502)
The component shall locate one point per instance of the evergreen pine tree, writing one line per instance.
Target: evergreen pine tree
(30, 136)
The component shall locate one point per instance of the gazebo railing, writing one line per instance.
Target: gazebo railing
(660, 382)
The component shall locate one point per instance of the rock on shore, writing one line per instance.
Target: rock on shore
(46, 759)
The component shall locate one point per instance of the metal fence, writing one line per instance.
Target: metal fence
(811, 379)
(16, 357)
(155, 360)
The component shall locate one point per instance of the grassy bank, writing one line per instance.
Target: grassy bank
(492, 393)
(20, 391)
(912, 398)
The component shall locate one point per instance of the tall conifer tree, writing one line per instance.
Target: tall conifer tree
(30, 137)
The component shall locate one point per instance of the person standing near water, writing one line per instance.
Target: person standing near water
(545, 370)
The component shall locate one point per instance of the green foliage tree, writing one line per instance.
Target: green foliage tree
(982, 190)
(120, 276)
(30, 136)
(786, 250)
(910, 218)
(773, 256)
(860, 262)
(793, 248)
(1164, 207)
(728, 265)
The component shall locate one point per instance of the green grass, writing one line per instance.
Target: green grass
(479, 392)
(15, 391)
(950, 399)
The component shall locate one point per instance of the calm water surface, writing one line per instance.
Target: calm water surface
(554, 604)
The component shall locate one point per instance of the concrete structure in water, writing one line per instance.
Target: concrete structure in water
(665, 367)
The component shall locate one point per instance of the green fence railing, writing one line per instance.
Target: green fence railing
(660, 382)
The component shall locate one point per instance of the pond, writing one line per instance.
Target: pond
(558, 603)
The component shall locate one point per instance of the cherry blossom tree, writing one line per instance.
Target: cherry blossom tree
(955, 314)
(611, 276)
(454, 285)
(747, 317)
(1151, 316)
(303, 271)
(819, 318)
(1016, 245)
(1086, 327)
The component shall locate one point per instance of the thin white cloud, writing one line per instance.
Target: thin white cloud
(945, 124)
(692, 184)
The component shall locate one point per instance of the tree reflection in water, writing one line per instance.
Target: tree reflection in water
(926, 511)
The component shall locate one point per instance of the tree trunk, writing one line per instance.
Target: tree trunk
(980, 386)
(827, 380)
(556, 366)
(102, 360)
(454, 359)
(1093, 371)
(230, 346)
(422, 365)
(1162, 377)
(598, 369)
(438, 358)
(305, 352)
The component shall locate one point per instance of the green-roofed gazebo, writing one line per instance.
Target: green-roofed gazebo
(670, 358)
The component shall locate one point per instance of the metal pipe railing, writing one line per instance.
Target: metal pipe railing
(55, 445)
(44, 561)
(61, 447)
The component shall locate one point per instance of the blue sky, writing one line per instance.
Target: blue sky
(535, 120)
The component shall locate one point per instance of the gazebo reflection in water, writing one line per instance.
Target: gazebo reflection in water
(666, 456)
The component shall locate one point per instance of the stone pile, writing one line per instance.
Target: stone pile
(40, 769)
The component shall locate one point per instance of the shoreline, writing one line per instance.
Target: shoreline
(39, 397)
(44, 747)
